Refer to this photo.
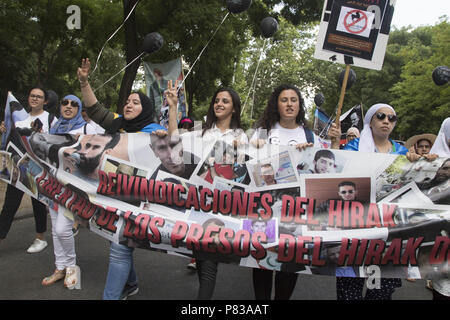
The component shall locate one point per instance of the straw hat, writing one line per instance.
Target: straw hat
(413, 140)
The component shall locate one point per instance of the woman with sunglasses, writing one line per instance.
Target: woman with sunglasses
(379, 122)
(138, 116)
(70, 121)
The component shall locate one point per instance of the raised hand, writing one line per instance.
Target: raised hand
(171, 94)
(83, 71)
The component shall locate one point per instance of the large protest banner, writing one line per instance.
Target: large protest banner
(157, 76)
(319, 211)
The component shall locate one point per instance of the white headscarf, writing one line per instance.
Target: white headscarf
(440, 146)
(366, 143)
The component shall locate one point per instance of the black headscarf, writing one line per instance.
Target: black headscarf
(145, 118)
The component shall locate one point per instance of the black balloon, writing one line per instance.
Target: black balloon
(350, 80)
(238, 6)
(268, 27)
(152, 42)
(441, 75)
(319, 99)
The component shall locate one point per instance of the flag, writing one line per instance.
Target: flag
(322, 122)
(13, 112)
(352, 118)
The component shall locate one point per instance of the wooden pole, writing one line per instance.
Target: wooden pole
(341, 98)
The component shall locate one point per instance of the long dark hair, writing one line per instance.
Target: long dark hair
(271, 115)
(236, 117)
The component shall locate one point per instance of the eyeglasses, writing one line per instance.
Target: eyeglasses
(381, 116)
(74, 104)
(345, 192)
(33, 96)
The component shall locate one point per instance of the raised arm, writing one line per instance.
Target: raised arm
(172, 100)
(87, 94)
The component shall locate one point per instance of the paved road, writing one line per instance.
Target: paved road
(162, 276)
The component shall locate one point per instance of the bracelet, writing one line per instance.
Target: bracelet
(85, 84)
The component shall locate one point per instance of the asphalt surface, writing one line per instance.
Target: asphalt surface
(161, 276)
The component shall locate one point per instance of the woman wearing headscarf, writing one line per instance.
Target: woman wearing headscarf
(138, 116)
(71, 122)
(379, 122)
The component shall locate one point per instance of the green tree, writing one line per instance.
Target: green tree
(421, 104)
(41, 50)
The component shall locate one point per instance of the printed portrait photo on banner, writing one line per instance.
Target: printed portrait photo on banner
(84, 159)
(172, 158)
(314, 161)
(289, 189)
(268, 227)
(117, 166)
(219, 223)
(273, 170)
(431, 177)
(46, 146)
(5, 166)
(223, 161)
(336, 199)
(408, 194)
(173, 211)
(29, 170)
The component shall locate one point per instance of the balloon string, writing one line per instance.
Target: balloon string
(114, 33)
(120, 71)
(201, 52)
(253, 81)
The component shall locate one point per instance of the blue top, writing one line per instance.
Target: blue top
(397, 148)
(152, 127)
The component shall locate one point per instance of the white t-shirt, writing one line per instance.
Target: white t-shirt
(213, 134)
(288, 137)
(43, 117)
(90, 129)
(98, 128)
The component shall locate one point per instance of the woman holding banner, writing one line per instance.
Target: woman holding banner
(71, 121)
(379, 122)
(283, 122)
(223, 122)
(138, 115)
(38, 120)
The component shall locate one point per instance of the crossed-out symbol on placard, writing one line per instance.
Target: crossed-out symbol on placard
(355, 17)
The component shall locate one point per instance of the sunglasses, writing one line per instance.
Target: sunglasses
(74, 104)
(381, 116)
(345, 192)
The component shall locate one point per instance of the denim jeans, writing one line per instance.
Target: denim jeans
(120, 271)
